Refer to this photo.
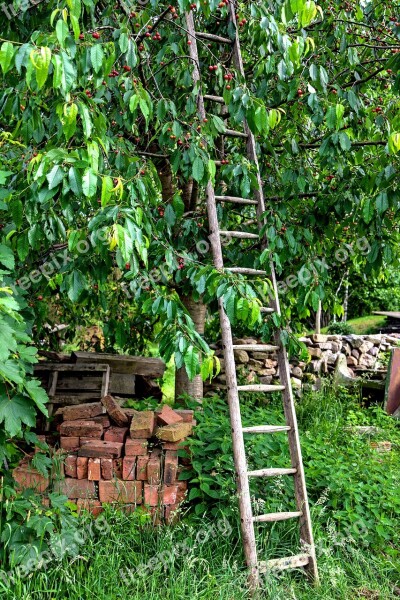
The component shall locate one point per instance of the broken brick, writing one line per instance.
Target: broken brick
(170, 466)
(136, 447)
(82, 467)
(70, 466)
(117, 468)
(175, 432)
(70, 443)
(81, 428)
(141, 468)
(171, 513)
(106, 468)
(169, 494)
(182, 491)
(115, 411)
(142, 425)
(82, 411)
(187, 415)
(128, 468)
(151, 494)
(116, 434)
(121, 491)
(154, 467)
(168, 416)
(94, 469)
(27, 477)
(93, 506)
(76, 488)
(101, 449)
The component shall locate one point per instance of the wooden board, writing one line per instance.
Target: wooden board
(120, 363)
(392, 390)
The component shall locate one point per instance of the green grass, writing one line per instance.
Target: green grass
(364, 325)
(201, 556)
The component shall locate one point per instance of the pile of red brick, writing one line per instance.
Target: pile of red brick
(119, 456)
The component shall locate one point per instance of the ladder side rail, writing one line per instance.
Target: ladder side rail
(246, 513)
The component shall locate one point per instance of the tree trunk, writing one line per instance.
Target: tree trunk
(318, 318)
(183, 385)
(346, 297)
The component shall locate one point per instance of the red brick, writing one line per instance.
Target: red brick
(106, 468)
(154, 467)
(101, 449)
(187, 415)
(116, 434)
(93, 506)
(172, 445)
(167, 416)
(136, 447)
(117, 468)
(94, 473)
(129, 492)
(141, 468)
(82, 467)
(169, 494)
(182, 491)
(27, 477)
(69, 443)
(82, 411)
(170, 466)
(115, 411)
(76, 488)
(151, 494)
(142, 425)
(128, 468)
(103, 419)
(82, 428)
(171, 513)
(175, 432)
(70, 466)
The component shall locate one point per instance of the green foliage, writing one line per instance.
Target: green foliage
(360, 486)
(340, 328)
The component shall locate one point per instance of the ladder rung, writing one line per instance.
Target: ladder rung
(244, 271)
(202, 35)
(273, 517)
(256, 347)
(260, 387)
(271, 472)
(240, 234)
(218, 99)
(233, 133)
(235, 199)
(266, 429)
(279, 564)
(266, 309)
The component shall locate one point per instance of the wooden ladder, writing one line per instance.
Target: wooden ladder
(248, 520)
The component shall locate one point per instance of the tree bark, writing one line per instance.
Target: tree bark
(318, 318)
(183, 385)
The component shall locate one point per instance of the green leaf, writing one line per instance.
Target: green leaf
(15, 411)
(394, 142)
(198, 169)
(61, 31)
(23, 246)
(55, 177)
(16, 209)
(191, 360)
(77, 283)
(38, 394)
(106, 187)
(382, 202)
(6, 56)
(75, 181)
(131, 57)
(6, 257)
(169, 215)
(86, 119)
(368, 211)
(89, 183)
(40, 59)
(68, 75)
(70, 112)
(97, 55)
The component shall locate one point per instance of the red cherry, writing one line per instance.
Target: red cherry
(127, 266)
(96, 35)
(81, 36)
(40, 297)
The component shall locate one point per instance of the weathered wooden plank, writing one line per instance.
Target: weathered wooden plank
(392, 391)
(122, 363)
